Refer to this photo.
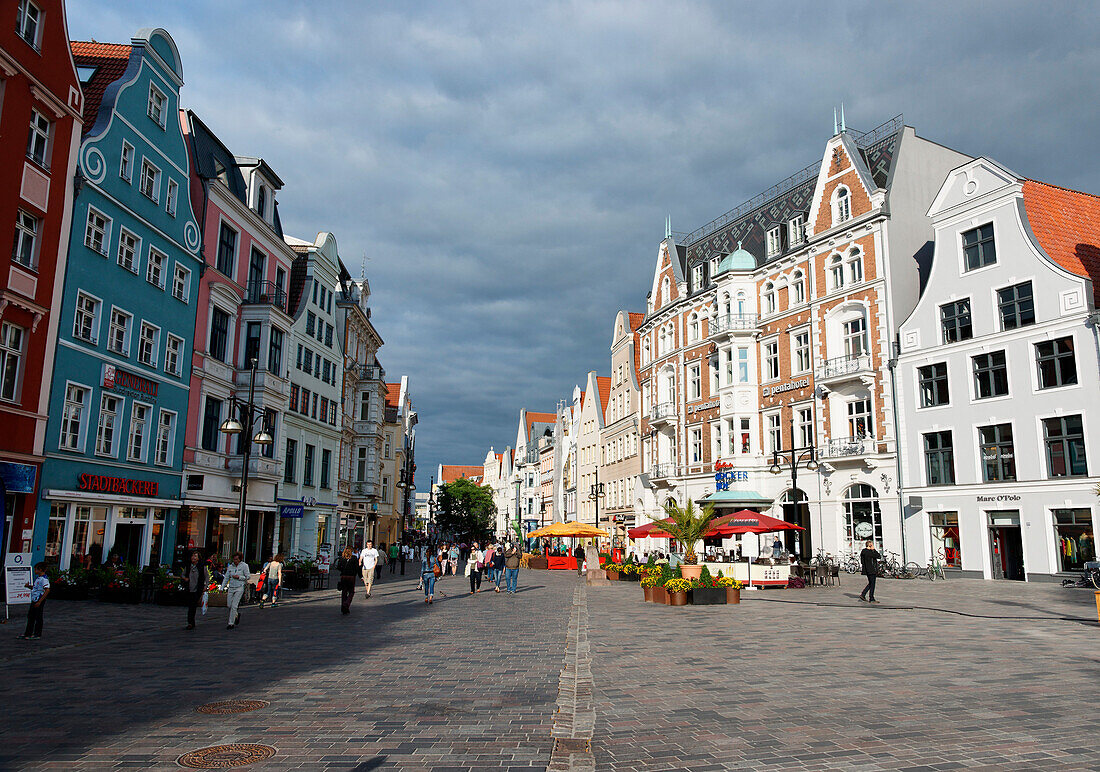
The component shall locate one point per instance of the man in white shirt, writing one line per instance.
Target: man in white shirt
(236, 577)
(368, 559)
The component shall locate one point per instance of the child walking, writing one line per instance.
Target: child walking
(39, 590)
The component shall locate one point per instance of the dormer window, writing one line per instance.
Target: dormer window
(796, 230)
(842, 205)
(158, 104)
(775, 241)
(261, 202)
(697, 276)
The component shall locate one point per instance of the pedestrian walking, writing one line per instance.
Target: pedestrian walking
(196, 578)
(368, 560)
(490, 550)
(272, 577)
(404, 557)
(474, 566)
(381, 562)
(777, 548)
(432, 569)
(236, 577)
(578, 553)
(513, 556)
(39, 588)
(394, 552)
(869, 558)
(498, 567)
(348, 567)
(440, 557)
(452, 559)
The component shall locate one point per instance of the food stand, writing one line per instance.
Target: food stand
(566, 530)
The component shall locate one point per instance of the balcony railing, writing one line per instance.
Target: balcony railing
(265, 293)
(727, 323)
(847, 447)
(661, 471)
(372, 373)
(665, 411)
(840, 367)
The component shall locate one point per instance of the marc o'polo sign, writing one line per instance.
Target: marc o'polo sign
(128, 383)
(101, 483)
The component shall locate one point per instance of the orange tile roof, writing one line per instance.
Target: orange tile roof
(542, 418)
(110, 60)
(603, 386)
(1067, 225)
(393, 394)
(452, 472)
(636, 320)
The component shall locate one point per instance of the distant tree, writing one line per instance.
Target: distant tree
(466, 510)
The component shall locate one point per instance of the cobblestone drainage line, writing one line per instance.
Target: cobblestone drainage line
(575, 719)
(226, 707)
(226, 756)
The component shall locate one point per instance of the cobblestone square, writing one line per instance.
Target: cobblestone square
(953, 675)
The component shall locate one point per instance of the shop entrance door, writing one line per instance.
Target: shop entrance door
(1006, 546)
(128, 542)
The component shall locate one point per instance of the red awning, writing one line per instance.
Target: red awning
(747, 521)
(653, 530)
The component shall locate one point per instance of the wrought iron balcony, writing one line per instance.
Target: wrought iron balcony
(265, 293)
(725, 324)
(847, 447)
(663, 471)
(844, 368)
(663, 413)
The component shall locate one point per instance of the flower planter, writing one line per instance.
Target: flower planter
(733, 595)
(691, 572)
(217, 600)
(709, 596)
(647, 592)
(537, 563)
(120, 596)
(660, 595)
(612, 576)
(677, 598)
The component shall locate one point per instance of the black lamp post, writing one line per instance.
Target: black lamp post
(792, 458)
(243, 424)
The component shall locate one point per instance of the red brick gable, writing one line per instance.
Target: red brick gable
(1067, 225)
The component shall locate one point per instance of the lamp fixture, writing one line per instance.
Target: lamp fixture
(775, 469)
(263, 438)
(812, 465)
(231, 426)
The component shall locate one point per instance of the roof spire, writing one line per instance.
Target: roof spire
(842, 126)
(836, 126)
(668, 227)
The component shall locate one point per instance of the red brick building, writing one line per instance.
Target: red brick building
(40, 121)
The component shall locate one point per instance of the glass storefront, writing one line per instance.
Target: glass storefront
(945, 538)
(81, 535)
(1074, 538)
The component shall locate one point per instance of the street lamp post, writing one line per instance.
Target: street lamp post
(793, 457)
(248, 414)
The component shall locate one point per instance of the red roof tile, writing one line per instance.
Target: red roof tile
(542, 418)
(452, 472)
(636, 320)
(110, 60)
(393, 394)
(603, 385)
(1067, 225)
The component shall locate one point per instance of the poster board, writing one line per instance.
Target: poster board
(17, 574)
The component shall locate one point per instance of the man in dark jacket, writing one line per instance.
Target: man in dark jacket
(512, 559)
(578, 553)
(869, 558)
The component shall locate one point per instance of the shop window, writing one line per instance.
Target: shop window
(939, 459)
(998, 453)
(1074, 538)
(979, 249)
(55, 533)
(1064, 438)
(1016, 305)
(990, 375)
(862, 514)
(955, 321)
(945, 538)
(1056, 363)
(933, 384)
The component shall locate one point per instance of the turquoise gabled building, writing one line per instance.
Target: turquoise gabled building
(118, 405)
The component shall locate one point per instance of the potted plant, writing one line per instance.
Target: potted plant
(630, 572)
(706, 592)
(688, 525)
(677, 590)
(216, 598)
(612, 570)
(733, 587)
(649, 586)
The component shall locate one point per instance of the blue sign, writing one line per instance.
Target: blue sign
(292, 510)
(722, 480)
(18, 478)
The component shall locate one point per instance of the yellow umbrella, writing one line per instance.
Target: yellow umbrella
(566, 530)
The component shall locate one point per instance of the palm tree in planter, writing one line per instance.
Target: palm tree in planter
(688, 525)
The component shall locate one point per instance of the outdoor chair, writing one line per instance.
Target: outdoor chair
(834, 573)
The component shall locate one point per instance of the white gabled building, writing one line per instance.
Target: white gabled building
(997, 375)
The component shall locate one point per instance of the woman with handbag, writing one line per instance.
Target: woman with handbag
(348, 566)
(431, 570)
(474, 565)
(196, 578)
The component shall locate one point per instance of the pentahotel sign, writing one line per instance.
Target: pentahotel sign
(801, 383)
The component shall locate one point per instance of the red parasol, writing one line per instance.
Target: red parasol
(747, 521)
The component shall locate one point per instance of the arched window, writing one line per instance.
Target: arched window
(855, 266)
(693, 328)
(741, 303)
(727, 306)
(769, 298)
(836, 271)
(647, 353)
(798, 288)
(842, 205)
(862, 516)
(665, 291)
(662, 343)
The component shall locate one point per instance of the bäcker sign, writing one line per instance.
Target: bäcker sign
(113, 378)
(104, 484)
(723, 477)
(801, 383)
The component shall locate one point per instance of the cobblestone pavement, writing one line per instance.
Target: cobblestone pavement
(961, 674)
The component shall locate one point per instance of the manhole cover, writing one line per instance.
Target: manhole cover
(226, 756)
(226, 707)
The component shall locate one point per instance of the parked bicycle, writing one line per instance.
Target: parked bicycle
(1090, 576)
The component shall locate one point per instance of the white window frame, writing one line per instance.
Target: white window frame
(836, 272)
(796, 230)
(855, 266)
(694, 328)
(24, 22)
(853, 417)
(804, 422)
(773, 431)
(171, 197)
(771, 358)
(153, 341)
(173, 351)
(133, 264)
(798, 288)
(11, 352)
(181, 270)
(695, 445)
(126, 162)
(160, 260)
(769, 295)
(167, 443)
(849, 336)
(143, 451)
(103, 231)
(801, 355)
(153, 191)
(95, 321)
(842, 204)
(126, 330)
(774, 241)
(27, 226)
(82, 417)
(697, 276)
(39, 135)
(158, 106)
(115, 416)
(695, 381)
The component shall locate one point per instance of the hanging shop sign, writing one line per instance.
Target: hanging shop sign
(99, 483)
(293, 509)
(801, 383)
(18, 478)
(128, 383)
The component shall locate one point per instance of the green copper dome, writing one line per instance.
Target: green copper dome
(739, 260)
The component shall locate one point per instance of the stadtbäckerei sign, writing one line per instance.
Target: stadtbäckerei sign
(723, 476)
(101, 483)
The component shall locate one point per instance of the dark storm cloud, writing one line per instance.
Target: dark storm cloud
(506, 167)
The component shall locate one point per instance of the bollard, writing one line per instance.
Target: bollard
(1098, 605)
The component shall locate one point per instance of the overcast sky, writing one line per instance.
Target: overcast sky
(506, 167)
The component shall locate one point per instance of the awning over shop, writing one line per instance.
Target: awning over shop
(653, 530)
(735, 498)
(747, 521)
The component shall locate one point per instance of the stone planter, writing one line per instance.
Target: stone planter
(217, 599)
(733, 595)
(691, 573)
(677, 598)
(709, 596)
(612, 576)
(647, 592)
(660, 595)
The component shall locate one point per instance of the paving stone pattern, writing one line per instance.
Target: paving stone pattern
(960, 674)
